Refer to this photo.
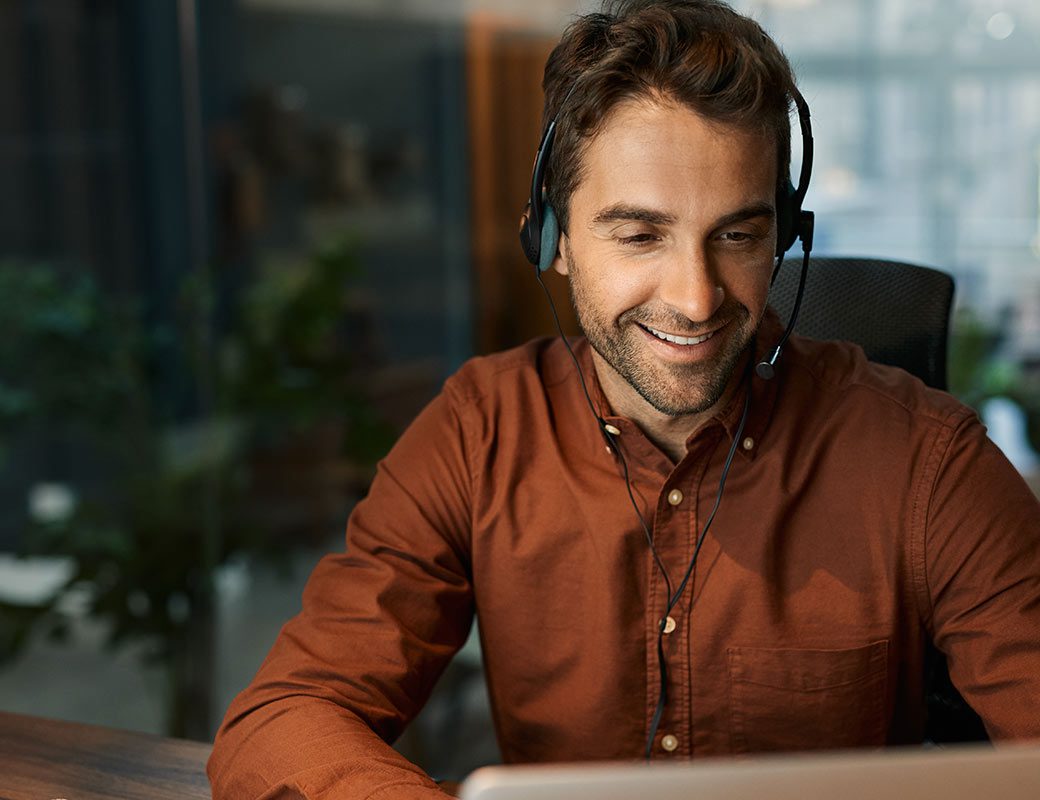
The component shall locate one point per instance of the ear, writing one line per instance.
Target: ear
(559, 263)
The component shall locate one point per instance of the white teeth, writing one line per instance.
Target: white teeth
(680, 339)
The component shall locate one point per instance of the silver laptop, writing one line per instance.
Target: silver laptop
(1009, 772)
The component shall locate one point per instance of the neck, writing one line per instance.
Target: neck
(669, 433)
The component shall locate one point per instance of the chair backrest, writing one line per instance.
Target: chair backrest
(898, 313)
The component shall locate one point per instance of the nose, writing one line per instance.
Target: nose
(690, 285)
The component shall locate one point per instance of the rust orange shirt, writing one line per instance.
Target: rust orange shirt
(864, 514)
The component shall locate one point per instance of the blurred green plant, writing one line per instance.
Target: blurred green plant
(180, 496)
(65, 355)
(977, 372)
(287, 362)
(974, 373)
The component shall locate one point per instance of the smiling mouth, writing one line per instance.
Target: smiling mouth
(681, 340)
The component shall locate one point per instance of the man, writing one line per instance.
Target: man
(863, 514)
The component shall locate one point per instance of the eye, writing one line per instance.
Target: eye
(737, 237)
(638, 240)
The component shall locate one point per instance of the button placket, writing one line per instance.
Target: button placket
(672, 534)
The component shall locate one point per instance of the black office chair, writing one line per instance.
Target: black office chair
(900, 315)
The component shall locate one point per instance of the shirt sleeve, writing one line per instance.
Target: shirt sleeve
(378, 625)
(980, 572)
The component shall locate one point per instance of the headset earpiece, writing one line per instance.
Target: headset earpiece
(529, 243)
(788, 208)
(539, 228)
(540, 247)
(792, 223)
(550, 243)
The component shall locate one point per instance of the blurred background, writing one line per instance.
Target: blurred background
(242, 242)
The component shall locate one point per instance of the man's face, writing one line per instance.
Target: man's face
(669, 251)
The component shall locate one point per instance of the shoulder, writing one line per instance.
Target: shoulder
(507, 375)
(836, 377)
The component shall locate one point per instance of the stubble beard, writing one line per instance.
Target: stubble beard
(672, 389)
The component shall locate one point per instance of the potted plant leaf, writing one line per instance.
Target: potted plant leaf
(181, 495)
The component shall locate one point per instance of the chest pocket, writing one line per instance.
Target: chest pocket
(807, 699)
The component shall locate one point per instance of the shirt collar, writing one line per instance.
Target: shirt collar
(763, 393)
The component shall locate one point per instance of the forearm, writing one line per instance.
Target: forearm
(308, 748)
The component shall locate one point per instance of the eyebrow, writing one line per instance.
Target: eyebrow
(622, 212)
(752, 211)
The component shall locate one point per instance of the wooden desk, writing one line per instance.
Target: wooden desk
(42, 759)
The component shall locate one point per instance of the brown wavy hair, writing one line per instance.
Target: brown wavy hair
(699, 53)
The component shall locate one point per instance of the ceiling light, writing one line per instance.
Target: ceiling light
(1000, 26)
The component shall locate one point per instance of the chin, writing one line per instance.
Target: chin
(684, 391)
(695, 401)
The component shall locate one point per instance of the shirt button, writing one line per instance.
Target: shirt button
(749, 443)
(612, 429)
(669, 625)
(669, 742)
(675, 497)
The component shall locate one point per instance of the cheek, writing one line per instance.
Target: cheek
(605, 286)
(622, 290)
(757, 296)
(749, 285)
